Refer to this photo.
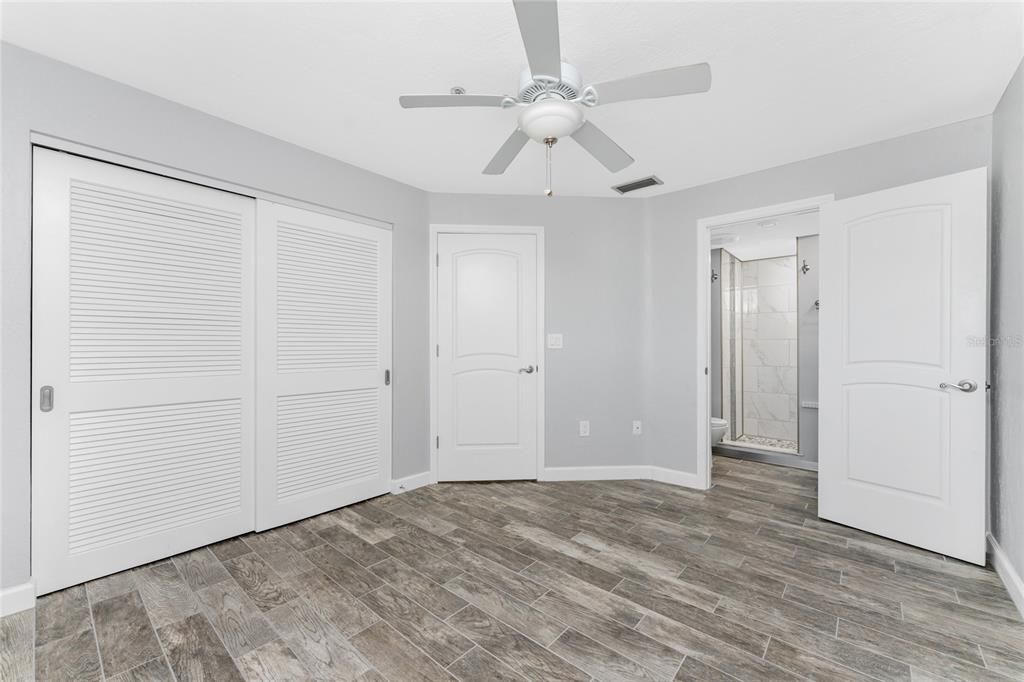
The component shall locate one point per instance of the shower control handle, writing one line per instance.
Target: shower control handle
(964, 386)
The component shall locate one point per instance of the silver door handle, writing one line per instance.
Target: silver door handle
(526, 370)
(964, 386)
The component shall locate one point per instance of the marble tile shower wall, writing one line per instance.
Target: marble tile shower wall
(770, 404)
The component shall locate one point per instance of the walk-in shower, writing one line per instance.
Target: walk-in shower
(764, 320)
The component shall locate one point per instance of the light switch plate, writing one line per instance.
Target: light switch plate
(584, 428)
(555, 341)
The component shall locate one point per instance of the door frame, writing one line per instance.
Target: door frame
(703, 364)
(432, 264)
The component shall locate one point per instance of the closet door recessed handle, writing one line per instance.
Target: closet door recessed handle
(526, 370)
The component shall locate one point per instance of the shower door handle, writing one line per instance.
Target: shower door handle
(964, 386)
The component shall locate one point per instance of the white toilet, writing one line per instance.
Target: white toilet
(718, 429)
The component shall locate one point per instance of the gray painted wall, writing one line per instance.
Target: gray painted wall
(1007, 432)
(46, 96)
(595, 296)
(670, 392)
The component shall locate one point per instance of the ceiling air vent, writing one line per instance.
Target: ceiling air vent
(627, 187)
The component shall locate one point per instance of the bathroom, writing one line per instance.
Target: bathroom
(764, 340)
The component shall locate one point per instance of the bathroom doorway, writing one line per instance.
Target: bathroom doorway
(761, 352)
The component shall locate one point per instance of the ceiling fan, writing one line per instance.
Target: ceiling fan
(553, 99)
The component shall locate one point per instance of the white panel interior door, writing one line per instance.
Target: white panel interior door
(142, 324)
(324, 344)
(903, 322)
(488, 360)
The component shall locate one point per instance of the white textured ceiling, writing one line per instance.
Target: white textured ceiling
(790, 80)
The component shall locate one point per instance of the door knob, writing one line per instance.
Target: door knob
(964, 386)
(526, 370)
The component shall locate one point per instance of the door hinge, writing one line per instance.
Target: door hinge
(705, 371)
(437, 350)
(437, 259)
(387, 377)
(437, 442)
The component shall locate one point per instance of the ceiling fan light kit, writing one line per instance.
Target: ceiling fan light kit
(552, 95)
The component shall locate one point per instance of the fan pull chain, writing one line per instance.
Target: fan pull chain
(549, 142)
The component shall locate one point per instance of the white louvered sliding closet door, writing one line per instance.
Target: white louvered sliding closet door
(143, 326)
(324, 344)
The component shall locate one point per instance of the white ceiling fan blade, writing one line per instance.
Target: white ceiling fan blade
(538, 24)
(420, 101)
(602, 147)
(507, 153)
(681, 80)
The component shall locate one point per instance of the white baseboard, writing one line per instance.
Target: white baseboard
(404, 485)
(1009, 575)
(18, 598)
(606, 473)
(612, 473)
(685, 479)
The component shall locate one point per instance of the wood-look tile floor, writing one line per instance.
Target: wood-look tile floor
(610, 580)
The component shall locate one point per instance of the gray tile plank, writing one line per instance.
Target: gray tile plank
(693, 669)
(110, 586)
(657, 657)
(496, 575)
(809, 664)
(236, 620)
(427, 593)
(440, 641)
(230, 548)
(272, 662)
(69, 658)
(437, 569)
(599, 660)
(735, 634)
(480, 665)
(168, 599)
(200, 568)
(123, 633)
(361, 526)
(507, 557)
(261, 584)
(343, 570)
(17, 641)
(822, 643)
(931, 660)
(711, 651)
(195, 653)
(321, 647)
(395, 656)
(333, 603)
(61, 614)
(352, 545)
(578, 568)
(155, 670)
(514, 649)
(538, 626)
(598, 600)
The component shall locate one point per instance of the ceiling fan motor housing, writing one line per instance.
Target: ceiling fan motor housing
(532, 89)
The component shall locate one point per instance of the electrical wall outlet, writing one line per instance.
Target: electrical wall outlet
(584, 428)
(638, 428)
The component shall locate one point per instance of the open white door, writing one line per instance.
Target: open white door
(324, 348)
(903, 363)
(142, 368)
(488, 362)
